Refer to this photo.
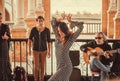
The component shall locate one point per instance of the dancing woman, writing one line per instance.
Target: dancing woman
(64, 40)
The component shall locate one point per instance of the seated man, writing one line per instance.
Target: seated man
(101, 63)
(97, 67)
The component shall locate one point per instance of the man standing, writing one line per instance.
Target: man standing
(40, 37)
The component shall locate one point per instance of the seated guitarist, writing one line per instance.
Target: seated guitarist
(102, 62)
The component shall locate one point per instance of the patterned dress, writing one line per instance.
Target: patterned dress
(64, 65)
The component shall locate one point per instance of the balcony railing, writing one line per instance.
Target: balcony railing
(89, 28)
(91, 25)
(19, 56)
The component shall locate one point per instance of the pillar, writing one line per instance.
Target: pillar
(111, 14)
(46, 5)
(19, 26)
(31, 11)
(39, 8)
(2, 10)
(104, 15)
(117, 22)
(30, 20)
(19, 31)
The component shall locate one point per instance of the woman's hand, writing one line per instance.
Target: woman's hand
(63, 16)
(69, 18)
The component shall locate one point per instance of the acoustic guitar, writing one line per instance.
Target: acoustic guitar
(98, 51)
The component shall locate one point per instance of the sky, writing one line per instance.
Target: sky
(73, 6)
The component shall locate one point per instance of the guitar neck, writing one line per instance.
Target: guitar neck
(111, 52)
(114, 51)
(99, 51)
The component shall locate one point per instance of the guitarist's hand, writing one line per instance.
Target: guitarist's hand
(106, 55)
(89, 53)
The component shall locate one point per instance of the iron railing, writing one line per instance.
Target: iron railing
(19, 56)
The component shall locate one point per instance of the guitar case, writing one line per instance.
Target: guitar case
(74, 56)
(76, 73)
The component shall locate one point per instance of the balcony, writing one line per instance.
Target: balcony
(20, 57)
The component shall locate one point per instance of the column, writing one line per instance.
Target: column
(12, 5)
(117, 22)
(46, 5)
(3, 9)
(20, 14)
(104, 15)
(39, 8)
(111, 14)
(31, 11)
(30, 20)
(19, 30)
(19, 26)
(118, 9)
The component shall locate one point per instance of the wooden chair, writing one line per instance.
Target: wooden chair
(95, 74)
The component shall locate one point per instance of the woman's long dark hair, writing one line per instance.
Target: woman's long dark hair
(64, 28)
